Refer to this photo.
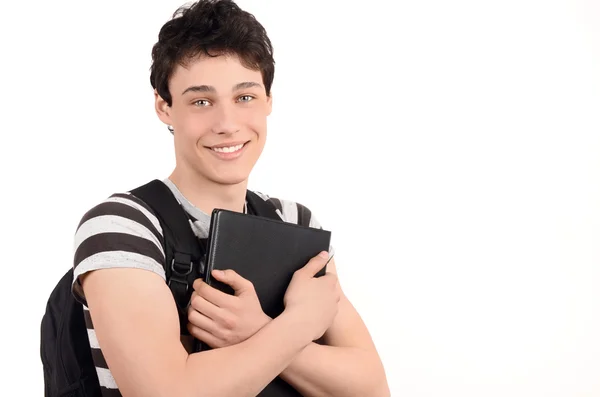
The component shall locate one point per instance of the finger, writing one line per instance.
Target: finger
(234, 280)
(205, 307)
(315, 264)
(199, 320)
(204, 336)
(213, 295)
(197, 283)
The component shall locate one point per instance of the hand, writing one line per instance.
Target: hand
(315, 299)
(219, 319)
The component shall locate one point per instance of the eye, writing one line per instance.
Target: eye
(245, 98)
(202, 103)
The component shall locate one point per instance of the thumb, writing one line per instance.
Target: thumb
(315, 264)
(234, 280)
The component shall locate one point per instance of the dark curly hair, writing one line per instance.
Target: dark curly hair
(211, 28)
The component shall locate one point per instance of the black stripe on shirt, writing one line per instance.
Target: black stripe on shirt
(106, 392)
(88, 319)
(124, 211)
(98, 357)
(106, 242)
(135, 199)
(277, 203)
(304, 215)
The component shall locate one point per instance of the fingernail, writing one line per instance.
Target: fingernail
(324, 254)
(218, 272)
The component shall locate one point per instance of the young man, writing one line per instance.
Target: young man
(212, 73)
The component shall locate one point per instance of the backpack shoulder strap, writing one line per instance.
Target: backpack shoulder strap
(183, 252)
(268, 209)
(261, 207)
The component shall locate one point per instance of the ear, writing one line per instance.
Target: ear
(270, 103)
(162, 108)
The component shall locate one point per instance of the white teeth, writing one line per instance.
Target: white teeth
(229, 149)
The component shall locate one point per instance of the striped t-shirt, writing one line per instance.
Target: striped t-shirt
(123, 232)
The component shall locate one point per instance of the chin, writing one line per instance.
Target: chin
(229, 180)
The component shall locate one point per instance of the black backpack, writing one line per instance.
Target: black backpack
(68, 367)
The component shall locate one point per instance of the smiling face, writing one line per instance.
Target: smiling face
(219, 116)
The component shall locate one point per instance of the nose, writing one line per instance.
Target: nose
(225, 121)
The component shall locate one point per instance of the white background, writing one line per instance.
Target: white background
(451, 146)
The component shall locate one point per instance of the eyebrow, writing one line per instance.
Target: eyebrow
(210, 88)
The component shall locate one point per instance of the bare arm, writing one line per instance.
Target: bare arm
(136, 323)
(346, 365)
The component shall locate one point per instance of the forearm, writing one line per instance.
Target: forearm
(246, 368)
(328, 371)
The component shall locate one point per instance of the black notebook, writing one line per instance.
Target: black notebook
(265, 251)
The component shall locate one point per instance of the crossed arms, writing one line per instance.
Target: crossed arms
(137, 326)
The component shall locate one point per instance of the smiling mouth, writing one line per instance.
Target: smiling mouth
(228, 149)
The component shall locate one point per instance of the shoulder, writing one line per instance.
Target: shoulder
(119, 232)
(125, 206)
(292, 211)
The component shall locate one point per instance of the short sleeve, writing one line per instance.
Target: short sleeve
(120, 232)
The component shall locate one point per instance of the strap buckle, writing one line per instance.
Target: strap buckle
(176, 269)
(181, 267)
(177, 280)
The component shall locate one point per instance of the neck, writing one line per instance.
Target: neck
(208, 195)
